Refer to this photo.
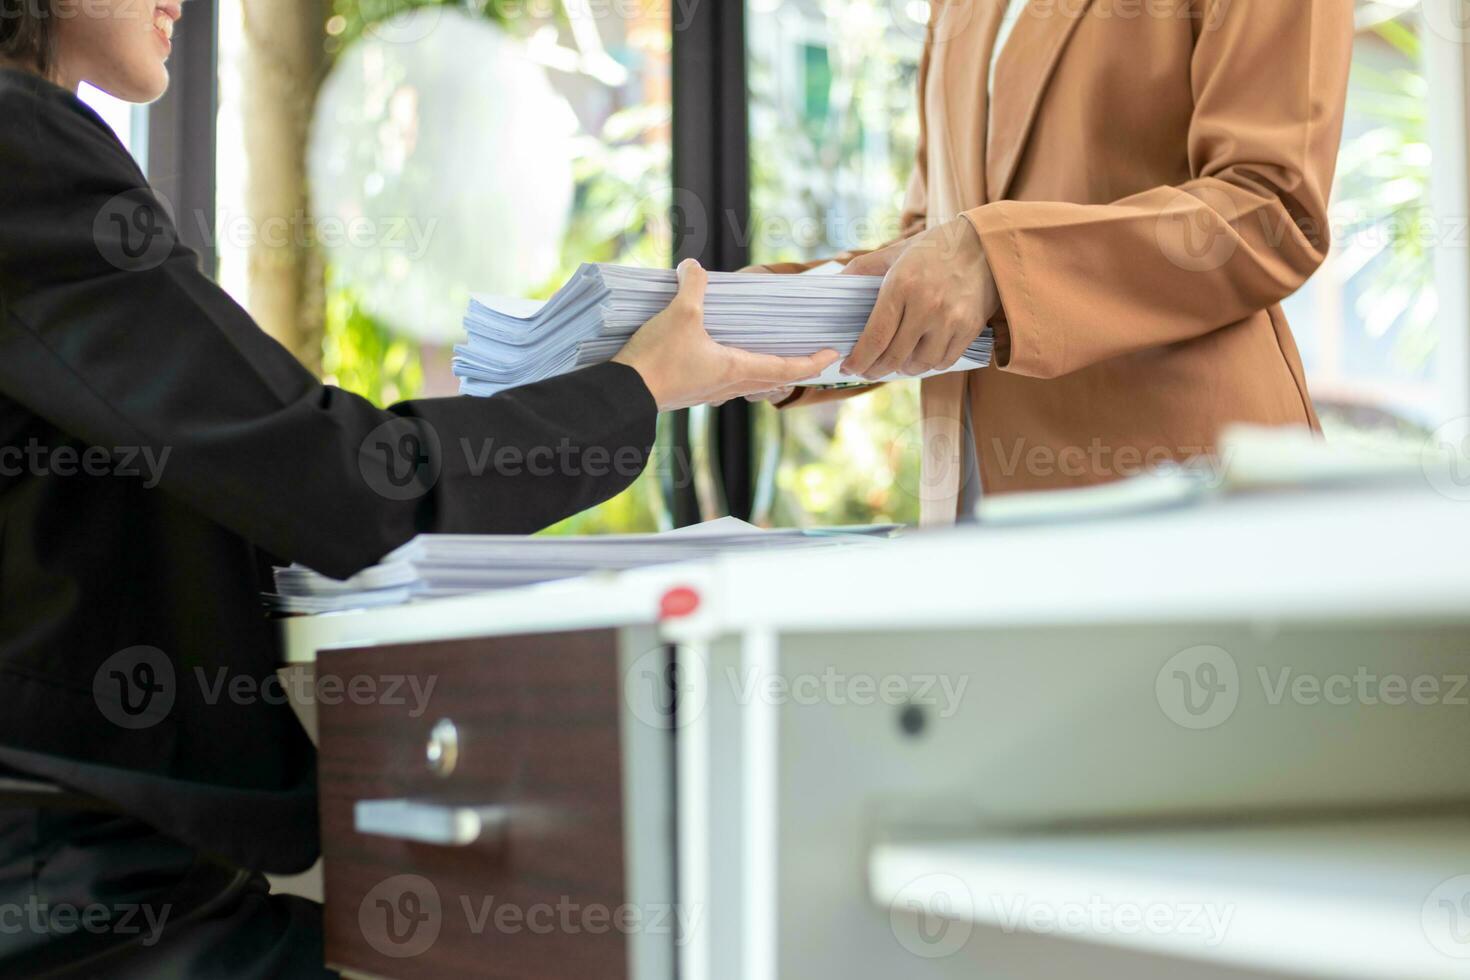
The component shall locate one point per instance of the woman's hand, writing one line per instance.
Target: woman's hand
(683, 367)
(937, 296)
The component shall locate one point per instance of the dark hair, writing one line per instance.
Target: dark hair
(26, 34)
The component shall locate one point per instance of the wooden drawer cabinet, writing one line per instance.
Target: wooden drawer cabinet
(522, 731)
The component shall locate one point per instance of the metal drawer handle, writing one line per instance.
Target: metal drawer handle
(431, 823)
(442, 750)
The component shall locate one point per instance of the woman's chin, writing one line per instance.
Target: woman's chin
(158, 89)
(138, 87)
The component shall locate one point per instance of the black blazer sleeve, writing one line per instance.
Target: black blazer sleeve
(109, 331)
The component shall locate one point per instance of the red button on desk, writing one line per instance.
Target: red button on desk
(678, 602)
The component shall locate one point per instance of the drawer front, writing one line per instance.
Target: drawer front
(536, 719)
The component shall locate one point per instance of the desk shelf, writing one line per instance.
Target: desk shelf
(1364, 899)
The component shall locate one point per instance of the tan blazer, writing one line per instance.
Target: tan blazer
(1151, 182)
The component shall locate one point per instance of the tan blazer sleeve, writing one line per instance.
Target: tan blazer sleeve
(1083, 283)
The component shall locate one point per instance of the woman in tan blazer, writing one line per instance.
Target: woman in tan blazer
(1149, 183)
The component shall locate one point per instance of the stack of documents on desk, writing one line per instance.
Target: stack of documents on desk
(515, 341)
(440, 565)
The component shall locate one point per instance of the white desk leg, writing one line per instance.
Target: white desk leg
(760, 656)
(692, 754)
(648, 805)
(712, 864)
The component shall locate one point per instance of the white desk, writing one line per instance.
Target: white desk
(1350, 555)
(804, 804)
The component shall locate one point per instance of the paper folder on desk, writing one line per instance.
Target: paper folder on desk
(515, 341)
(441, 565)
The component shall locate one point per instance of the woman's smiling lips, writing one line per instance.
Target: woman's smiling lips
(165, 15)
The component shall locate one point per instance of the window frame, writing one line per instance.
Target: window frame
(1447, 70)
(181, 151)
(711, 171)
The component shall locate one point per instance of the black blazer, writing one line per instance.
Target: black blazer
(152, 438)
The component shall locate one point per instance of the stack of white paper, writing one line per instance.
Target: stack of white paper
(439, 565)
(515, 341)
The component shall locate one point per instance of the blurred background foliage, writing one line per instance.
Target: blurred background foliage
(1382, 200)
(620, 214)
(351, 18)
(834, 132)
(621, 209)
(853, 464)
(361, 355)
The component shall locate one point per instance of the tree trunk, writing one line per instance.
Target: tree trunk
(284, 64)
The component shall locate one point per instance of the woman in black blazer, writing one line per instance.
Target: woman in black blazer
(153, 442)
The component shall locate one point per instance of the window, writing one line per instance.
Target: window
(1368, 323)
(423, 121)
(832, 88)
(834, 128)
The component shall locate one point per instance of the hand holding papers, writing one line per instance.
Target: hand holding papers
(938, 291)
(684, 367)
(592, 317)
